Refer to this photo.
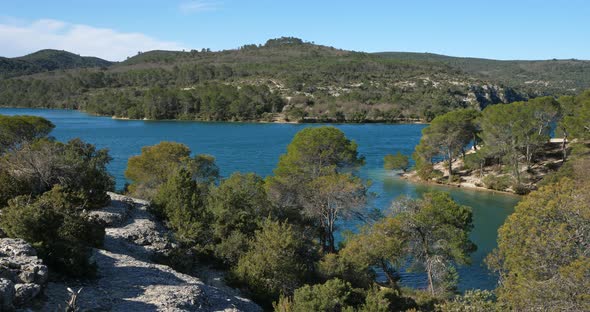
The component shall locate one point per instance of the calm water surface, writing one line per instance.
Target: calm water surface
(251, 147)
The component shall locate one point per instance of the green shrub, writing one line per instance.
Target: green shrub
(54, 226)
(473, 161)
(520, 189)
(274, 264)
(472, 300)
(498, 182)
(11, 187)
(232, 248)
(179, 201)
(78, 167)
(424, 169)
(381, 299)
(334, 295)
(396, 162)
(240, 203)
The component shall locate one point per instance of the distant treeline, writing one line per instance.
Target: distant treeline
(205, 102)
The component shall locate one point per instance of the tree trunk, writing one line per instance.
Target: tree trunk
(516, 169)
(430, 280)
(563, 148)
(528, 157)
(392, 280)
(480, 169)
(331, 244)
(450, 169)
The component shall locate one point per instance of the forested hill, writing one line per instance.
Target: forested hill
(552, 75)
(287, 79)
(46, 60)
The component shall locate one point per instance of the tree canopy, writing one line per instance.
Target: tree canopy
(310, 180)
(542, 254)
(149, 170)
(396, 162)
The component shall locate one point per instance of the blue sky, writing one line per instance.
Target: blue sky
(114, 29)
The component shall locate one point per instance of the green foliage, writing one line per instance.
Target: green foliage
(472, 300)
(239, 206)
(309, 181)
(576, 113)
(498, 182)
(55, 226)
(275, 263)
(152, 168)
(16, 130)
(334, 295)
(517, 130)
(424, 168)
(154, 165)
(396, 162)
(317, 151)
(381, 299)
(77, 166)
(448, 135)
(436, 230)
(283, 41)
(474, 161)
(563, 74)
(46, 60)
(181, 203)
(542, 249)
(380, 246)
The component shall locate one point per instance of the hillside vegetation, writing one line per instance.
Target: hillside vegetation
(555, 76)
(287, 79)
(46, 60)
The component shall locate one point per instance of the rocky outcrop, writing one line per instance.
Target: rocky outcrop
(128, 279)
(22, 274)
(484, 95)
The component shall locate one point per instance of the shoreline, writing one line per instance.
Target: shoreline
(410, 176)
(304, 122)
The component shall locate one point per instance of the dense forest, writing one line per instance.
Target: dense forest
(286, 79)
(275, 238)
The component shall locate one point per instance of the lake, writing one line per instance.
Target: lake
(256, 147)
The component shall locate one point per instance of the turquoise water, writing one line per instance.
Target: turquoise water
(251, 147)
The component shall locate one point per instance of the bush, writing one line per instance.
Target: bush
(472, 300)
(380, 299)
(396, 162)
(16, 130)
(520, 189)
(334, 295)
(424, 169)
(473, 161)
(11, 187)
(274, 263)
(77, 166)
(53, 224)
(232, 248)
(239, 204)
(179, 201)
(153, 167)
(499, 183)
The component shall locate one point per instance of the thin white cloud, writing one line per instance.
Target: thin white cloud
(198, 6)
(18, 39)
